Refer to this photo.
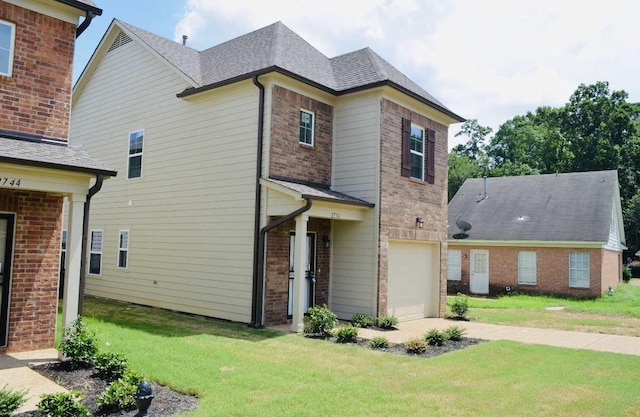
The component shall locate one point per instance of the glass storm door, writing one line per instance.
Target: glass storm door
(310, 269)
(6, 246)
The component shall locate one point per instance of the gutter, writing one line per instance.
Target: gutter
(85, 23)
(85, 229)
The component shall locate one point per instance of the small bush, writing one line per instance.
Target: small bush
(460, 306)
(362, 320)
(320, 321)
(379, 343)
(387, 322)
(435, 337)
(119, 394)
(110, 366)
(415, 346)
(10, 401)
(346, 334)
(455, 332)
(626, 274)
(62, 404)
(79, 344)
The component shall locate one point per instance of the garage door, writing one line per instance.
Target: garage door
(413, 280)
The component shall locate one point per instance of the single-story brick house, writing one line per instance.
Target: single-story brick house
(555, 234)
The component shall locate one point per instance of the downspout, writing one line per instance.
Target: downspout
(85, 230)
(85, 23)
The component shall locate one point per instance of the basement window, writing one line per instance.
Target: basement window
(7, 46)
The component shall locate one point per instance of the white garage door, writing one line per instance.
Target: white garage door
(413, 280)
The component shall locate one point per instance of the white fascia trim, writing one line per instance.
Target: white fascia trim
(56, 10)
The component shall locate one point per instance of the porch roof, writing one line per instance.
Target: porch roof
(317, 192)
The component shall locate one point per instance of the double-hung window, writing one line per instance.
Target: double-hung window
(527, 268)
(579, 270)
(306, 127)
(454, 265)
(136, 141)
(7, 46)
(123, 249)
(95, 253)
(417, 152)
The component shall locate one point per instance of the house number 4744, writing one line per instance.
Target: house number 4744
(10, 182)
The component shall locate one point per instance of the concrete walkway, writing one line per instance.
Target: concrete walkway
(15, 374)
(575, 340)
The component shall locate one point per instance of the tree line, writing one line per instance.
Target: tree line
(597, 129)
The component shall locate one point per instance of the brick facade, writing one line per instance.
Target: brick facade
(552, 270)
(403, 199)
(35, 269)
(288, 157)
(277, 269)
(36, 99)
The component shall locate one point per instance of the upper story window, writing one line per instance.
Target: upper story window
(136, 140)
(417, 152)
(7, 42)
(306, 127)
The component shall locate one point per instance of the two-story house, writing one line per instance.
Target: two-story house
(38, 170)
(262, 178)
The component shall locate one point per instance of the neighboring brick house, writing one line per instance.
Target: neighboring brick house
(38, 170)
(233, 151)
(552, 234)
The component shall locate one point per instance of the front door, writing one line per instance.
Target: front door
(479, 277)
(309, 269)
(6, 250)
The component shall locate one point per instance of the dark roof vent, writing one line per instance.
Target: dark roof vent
(121, 39)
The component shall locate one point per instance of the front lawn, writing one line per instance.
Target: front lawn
(238, 371)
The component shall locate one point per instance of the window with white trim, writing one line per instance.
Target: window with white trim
(7, 46)
(579, 270)
(134, 160)
(454, 265)
(307, 121)
(95, 253)
(417, 152)
(123, 249)
(527, 274)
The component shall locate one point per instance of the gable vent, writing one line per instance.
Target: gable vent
(121, 39)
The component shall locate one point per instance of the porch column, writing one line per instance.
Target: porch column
(299, 272)
(74, 253)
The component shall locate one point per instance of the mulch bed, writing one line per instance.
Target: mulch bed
(399, 348)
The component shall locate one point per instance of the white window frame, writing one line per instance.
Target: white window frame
(412, 152)
(130, 155)
(527, 268)
(454, 265)
(122, 249)
(313, 128)
(93, 251)
(574, 281)
(12, 47)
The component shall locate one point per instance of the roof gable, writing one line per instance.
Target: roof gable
(572, 207)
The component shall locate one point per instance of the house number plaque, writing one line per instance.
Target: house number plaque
(10, 182)
(335, 215)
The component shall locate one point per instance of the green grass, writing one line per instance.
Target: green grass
(238, 371)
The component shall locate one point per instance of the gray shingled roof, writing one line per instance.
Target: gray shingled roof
(573, 207)
(276, 47)
(51, 156)
(321, 193)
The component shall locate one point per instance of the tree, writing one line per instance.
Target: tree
(468, 160)
(477, 134)
(631, 215)
(461, 167)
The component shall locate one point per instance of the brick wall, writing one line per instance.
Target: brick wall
(403, 199)
(552, 266)
(277, 269)
(34, 278)
(36, 99)
(290, 158)
(611, 269)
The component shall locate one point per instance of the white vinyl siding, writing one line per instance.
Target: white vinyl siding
(95, 252)
(123, 249)
(307, 127)
(579, 270)
(454, 265)
(7, 47)
(527, 268)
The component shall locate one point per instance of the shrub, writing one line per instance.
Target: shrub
(10, 401)
(119, 394)
(626, 274)
(435, 337)
(110, 366)
(320, 321)
(346, 334)
(379, 343)
(455, 332)
(387, 322)
(415, 346)
(362, 320)
(79, 344)
(62, 404)
(460, 306)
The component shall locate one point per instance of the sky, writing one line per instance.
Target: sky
(488, 60)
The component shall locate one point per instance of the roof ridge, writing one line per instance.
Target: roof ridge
(374, 58)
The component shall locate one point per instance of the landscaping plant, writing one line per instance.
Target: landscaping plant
(435, 337)
(62, 404)
(346, 334)
(379, 342)
(387, 322)
(362, 320)
(320, 321)
(454, 333)
(119, 394)
(110, 366)
(415, 346)
(79, 344)
(626, 274)
(460, 307)
(10, 401)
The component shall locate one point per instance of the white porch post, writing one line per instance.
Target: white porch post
(299, 272)
(74, 253)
